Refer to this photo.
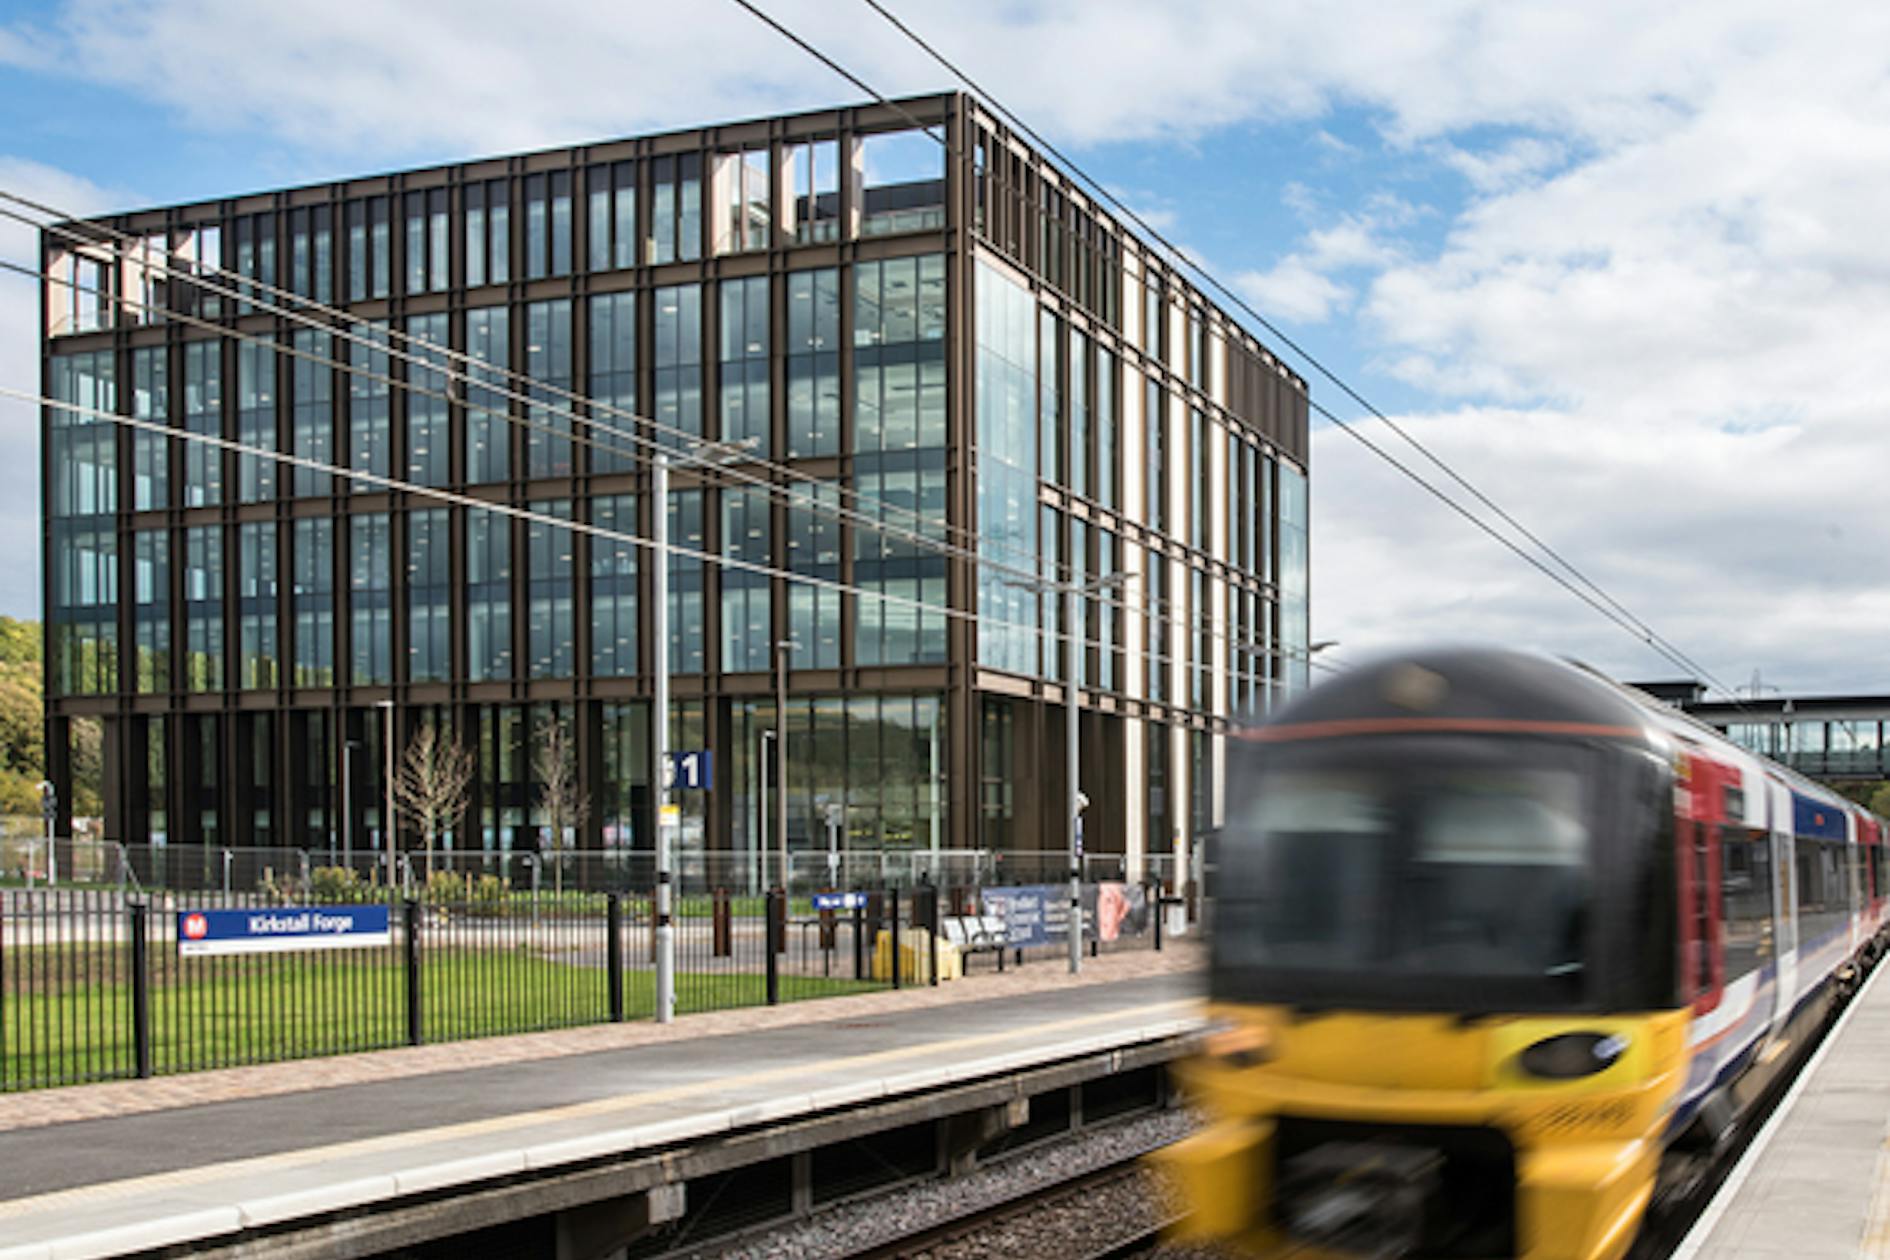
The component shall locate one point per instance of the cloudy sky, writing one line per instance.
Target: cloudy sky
(1624, 267)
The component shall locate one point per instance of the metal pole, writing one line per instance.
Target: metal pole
(387, 805)
(762, 772)
(780, 757)
(1073, 819)
(347, 807)
(659, 738)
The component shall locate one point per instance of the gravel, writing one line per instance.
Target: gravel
(1073, 1226)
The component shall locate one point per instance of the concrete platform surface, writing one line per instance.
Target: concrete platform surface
(101, 1187)
(1815, 1183)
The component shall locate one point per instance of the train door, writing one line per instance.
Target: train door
(1778, 817)
(1698, 863)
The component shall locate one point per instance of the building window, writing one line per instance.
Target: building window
(429, 595)
(203, 413)
(312, 574)
(614, 587)
(678, 363)
(257, 659)
(907, 627)
(1107, 615)
(743, 213)
(1078, 444)
(1198, 464)
(83, 636)
(312, 253)
(813, 182)
(488, 595)
(151, 610)
(1295, 632)
(548, 364)
(747, 625)
(1106, 484)
(1201, 620)
(1198, 367)
(813, 550)
(902, 183)
(1007, 471)
(256, 420)
(370, 242)
(613, 384)
(371, 598)
(84, 455)
(1155, 609)
(899, 354)
(429, 434)
(1050, 351)
(548, 225)
(150, 452)
(312, 408)
(688, 579)
(428, 252)
(255, 261)
(488, 234)
(813, 362)
(612, 223)
(550, 632)
(369, 397)
(744, 362)
(1155, 456)
(203, 608)
(488, 432)
(1154, 315)
(676, 208)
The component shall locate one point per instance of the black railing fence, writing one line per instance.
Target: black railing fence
(108, 983)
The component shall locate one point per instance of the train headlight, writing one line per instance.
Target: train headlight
(1569, 1056)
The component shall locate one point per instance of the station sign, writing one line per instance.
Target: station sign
(840, 901)
(693, 769)
(284, 929)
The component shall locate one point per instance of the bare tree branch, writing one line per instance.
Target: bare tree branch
(433, 786)
(561, 796)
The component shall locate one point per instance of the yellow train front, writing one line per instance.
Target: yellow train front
(1450, 1018)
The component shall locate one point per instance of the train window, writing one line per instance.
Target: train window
(1745, 891)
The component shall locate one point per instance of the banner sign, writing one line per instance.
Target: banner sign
(839, 901)
(284, 929)
(1039, 914)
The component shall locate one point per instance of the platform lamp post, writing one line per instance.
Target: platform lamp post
(782, 648)
(1073, 593)
(387, 790)
(668, 818)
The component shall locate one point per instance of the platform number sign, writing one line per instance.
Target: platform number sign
(694, 769)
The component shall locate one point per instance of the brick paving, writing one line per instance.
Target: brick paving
(123, 1098)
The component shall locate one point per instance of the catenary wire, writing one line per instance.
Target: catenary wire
(241, 290)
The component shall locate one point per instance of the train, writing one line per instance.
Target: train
(1503, 954)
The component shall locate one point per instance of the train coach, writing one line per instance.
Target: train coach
(1504, 953)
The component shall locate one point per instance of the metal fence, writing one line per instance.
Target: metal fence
(95, 983)
(300, 873)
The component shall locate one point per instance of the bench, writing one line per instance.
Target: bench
(976, 934)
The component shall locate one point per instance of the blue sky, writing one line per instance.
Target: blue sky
(1615, 300)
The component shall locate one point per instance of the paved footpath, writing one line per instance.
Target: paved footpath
(125, 1098)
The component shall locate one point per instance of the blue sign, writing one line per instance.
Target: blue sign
(281, 930)
(692, 769)
(839, 901)
(1034, 914)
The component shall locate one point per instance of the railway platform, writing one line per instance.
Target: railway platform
(1815, 1182)
(403, 1149)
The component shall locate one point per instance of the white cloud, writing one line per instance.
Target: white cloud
(19, 369)
(1295, 289)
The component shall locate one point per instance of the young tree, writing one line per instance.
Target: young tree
(432, 785)
(560, 795)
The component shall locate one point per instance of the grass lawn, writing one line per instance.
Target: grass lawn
(228, 1011)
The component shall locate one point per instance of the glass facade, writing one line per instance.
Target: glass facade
(1018, 399)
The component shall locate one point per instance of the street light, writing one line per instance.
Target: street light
(668, 818)
(387, 806)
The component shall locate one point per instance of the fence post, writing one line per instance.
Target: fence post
(931, 928)
(893, 895)
(140, 990)
(1154, 895)
(411, 910)
(721, 924)
(773, 925)
(859, 941)
(614, 955)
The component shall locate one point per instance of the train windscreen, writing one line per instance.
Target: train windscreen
(1407, 877)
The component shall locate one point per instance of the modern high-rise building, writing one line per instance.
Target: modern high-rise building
(951, 339)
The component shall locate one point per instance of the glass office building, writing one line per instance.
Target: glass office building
(959, 379)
